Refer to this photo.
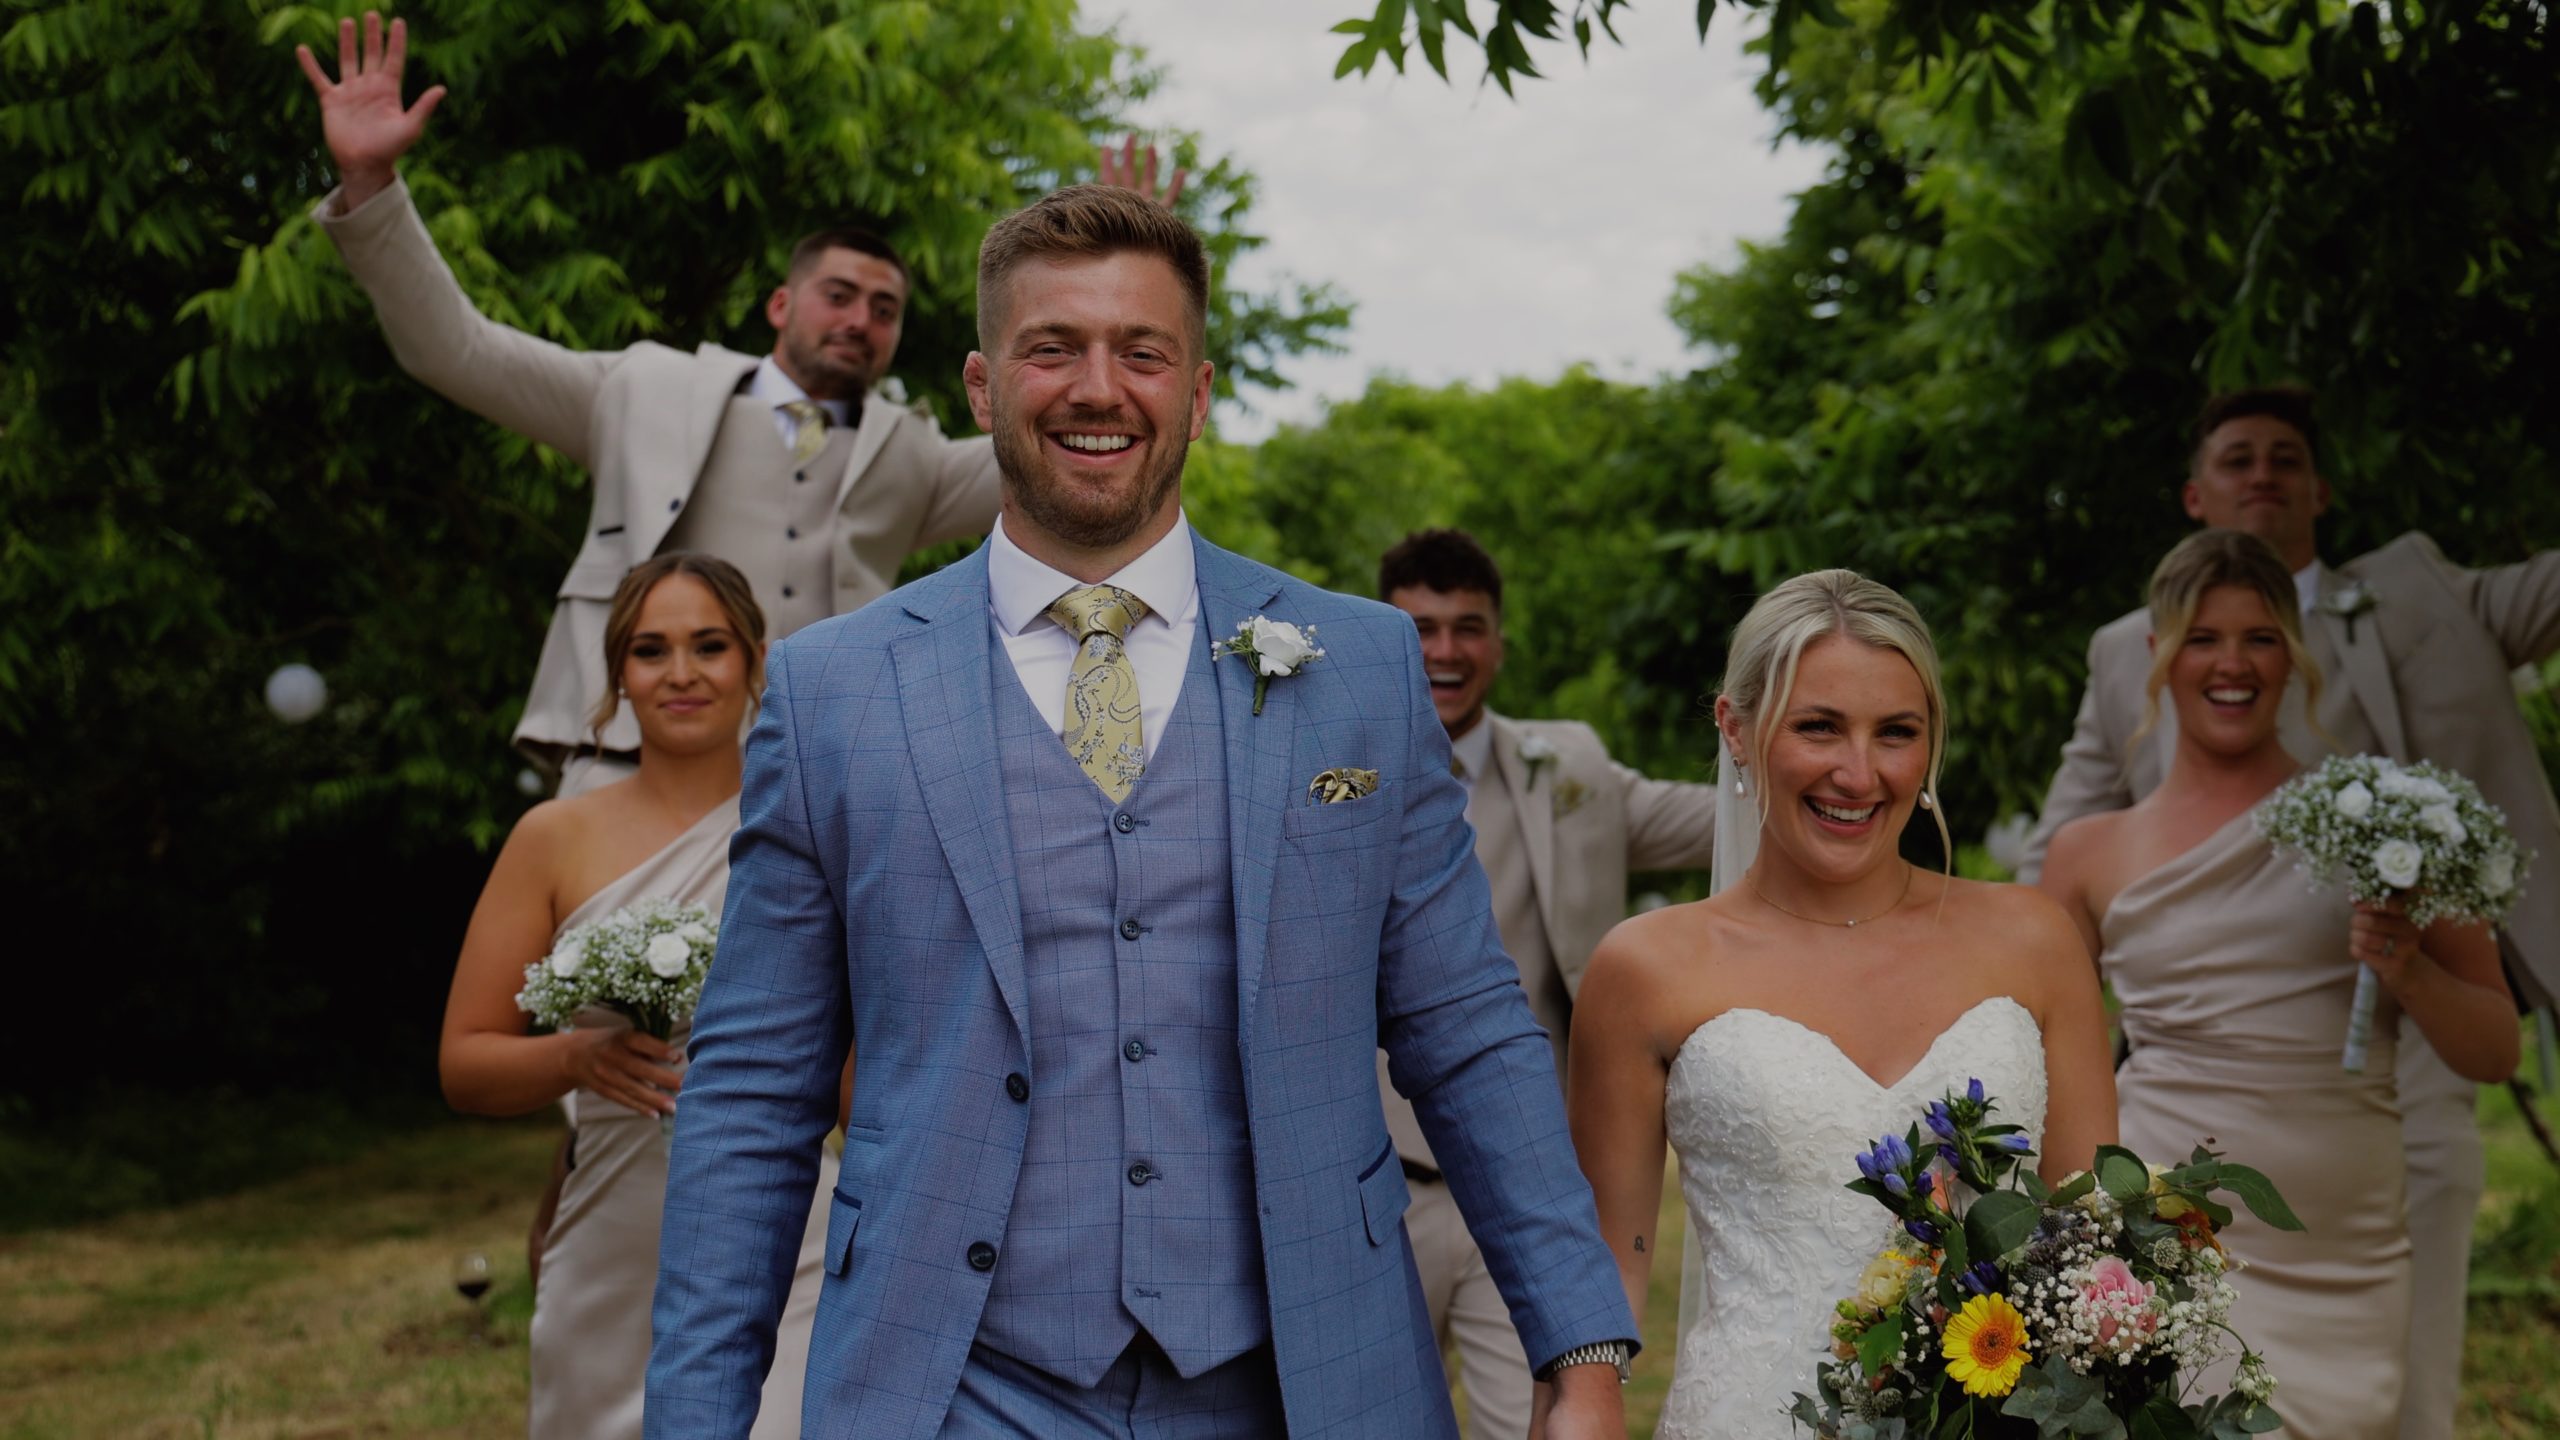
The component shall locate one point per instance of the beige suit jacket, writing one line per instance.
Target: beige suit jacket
(641, 421)
(1587, 822)
(2423, 675)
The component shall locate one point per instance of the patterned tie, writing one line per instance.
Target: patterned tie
(1103, 733)
(811, 436)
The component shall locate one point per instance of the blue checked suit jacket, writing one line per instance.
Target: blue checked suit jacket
(872, 901)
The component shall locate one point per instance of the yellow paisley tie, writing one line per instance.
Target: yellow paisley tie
(1103, 733)
(811, 435)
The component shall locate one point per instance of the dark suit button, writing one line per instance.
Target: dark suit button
(1124, 822)
(1139, 1174)
(790, 532)
(802, 475)
(786, 592)
(1136, 1050)
(982, 1256)
(1130, 928)
(1017, 1087)
(674, 505)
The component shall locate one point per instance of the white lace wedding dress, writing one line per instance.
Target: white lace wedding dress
(1768, 1118)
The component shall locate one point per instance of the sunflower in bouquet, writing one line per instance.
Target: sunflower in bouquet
(2004, 1307)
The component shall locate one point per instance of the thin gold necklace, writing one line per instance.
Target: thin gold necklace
(1840, 924)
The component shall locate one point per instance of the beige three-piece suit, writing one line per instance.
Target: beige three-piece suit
(2424, 673)
(682, 459)
(1556, 845)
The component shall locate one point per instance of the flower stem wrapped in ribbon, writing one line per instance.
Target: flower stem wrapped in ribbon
(2419, 834)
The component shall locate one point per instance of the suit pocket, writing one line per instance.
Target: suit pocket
(843, 1218)
(1384, 1196)
(1323, 824)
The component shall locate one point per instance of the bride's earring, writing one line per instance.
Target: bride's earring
(1737, 777)
(1928, 801)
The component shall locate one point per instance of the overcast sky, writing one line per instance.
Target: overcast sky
(1479, 236)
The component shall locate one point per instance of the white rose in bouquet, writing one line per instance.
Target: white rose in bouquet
(2498, 874)
(2354, 800)
(568, 960)
(2442, 820)
(2398, 863)
(667, 955)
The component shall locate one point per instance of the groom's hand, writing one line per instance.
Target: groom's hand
(361, 117)
(1585, 1402)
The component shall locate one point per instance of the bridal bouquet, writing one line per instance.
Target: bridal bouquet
(2388, 831)
(645, 961)
(2039, 1312)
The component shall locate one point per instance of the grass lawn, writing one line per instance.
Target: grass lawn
(322, 1305)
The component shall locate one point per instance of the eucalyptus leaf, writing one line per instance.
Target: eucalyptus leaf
(1999, 1223)
(2256, 1191)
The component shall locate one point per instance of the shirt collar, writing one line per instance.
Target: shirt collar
(1023, 588)
(1474, 750)
(776, 389)
(2306, 586)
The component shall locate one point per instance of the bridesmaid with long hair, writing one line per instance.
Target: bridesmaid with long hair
(685, 644)
(2236, 977)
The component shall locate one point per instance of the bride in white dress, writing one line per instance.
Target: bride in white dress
(1772, 1032)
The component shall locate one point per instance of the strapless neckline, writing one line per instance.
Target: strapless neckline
(1832, 1047)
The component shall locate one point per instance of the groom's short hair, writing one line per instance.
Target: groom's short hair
(1089, 222)
(1444, 560)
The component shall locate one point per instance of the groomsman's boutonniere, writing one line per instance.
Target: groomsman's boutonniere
(1274, 648)
(1536, 752)
(1570, 793)
(2347, 602)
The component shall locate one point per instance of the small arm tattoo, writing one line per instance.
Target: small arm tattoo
(1639, 1244)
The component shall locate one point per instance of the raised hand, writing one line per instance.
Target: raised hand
(361, 117)
(1133, 169)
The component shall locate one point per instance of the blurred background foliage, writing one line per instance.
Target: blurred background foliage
(1965, 367)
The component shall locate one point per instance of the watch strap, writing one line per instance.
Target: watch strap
(1605, 1352)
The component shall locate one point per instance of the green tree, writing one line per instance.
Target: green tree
(211, 465)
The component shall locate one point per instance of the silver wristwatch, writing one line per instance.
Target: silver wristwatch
(1606, 1352)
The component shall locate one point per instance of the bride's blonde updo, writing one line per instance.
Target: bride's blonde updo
(1769, 644)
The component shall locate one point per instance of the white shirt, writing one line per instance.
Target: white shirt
(1474, 752)
(776, 389)
(1166, 577)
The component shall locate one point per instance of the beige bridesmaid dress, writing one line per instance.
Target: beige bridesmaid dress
(600, 1261)
(2235, 983)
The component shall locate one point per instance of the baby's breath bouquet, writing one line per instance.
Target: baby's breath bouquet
(2384, 831)
(645, 961)
(2039, 1312)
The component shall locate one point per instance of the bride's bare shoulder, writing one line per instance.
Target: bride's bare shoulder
(1659, 952)
(2020, 930)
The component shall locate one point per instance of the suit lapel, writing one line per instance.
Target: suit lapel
(1533, 800)
(2359, 657)
(1257, 758)
(880, 419)
(945, 672)
(663, 475)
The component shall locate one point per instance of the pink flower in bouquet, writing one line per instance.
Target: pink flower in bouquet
(2121, 1304)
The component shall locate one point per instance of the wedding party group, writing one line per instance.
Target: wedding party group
(1112, 988)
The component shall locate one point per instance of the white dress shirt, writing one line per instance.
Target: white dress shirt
(1022, 589)
(2306, 588)
(776, 389)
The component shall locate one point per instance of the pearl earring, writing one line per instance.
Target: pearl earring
(1737, 777)
(1928, 801)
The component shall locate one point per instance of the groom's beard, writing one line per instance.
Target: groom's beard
(1081, 512)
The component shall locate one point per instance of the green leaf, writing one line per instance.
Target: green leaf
(2074, 1189)
(1999, 1224)
(2256, 1191)
(1881, 1343)
(2161, 1419)
(2123, 1174)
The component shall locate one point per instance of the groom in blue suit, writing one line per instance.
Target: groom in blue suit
(1114, 922)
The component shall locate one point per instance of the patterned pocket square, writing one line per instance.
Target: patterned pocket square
(1342, 783)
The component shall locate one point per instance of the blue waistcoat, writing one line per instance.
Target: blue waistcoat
(1135, 1206)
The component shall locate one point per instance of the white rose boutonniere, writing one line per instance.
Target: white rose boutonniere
(2347, 602)
(1274, 648)
(1536, 752)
